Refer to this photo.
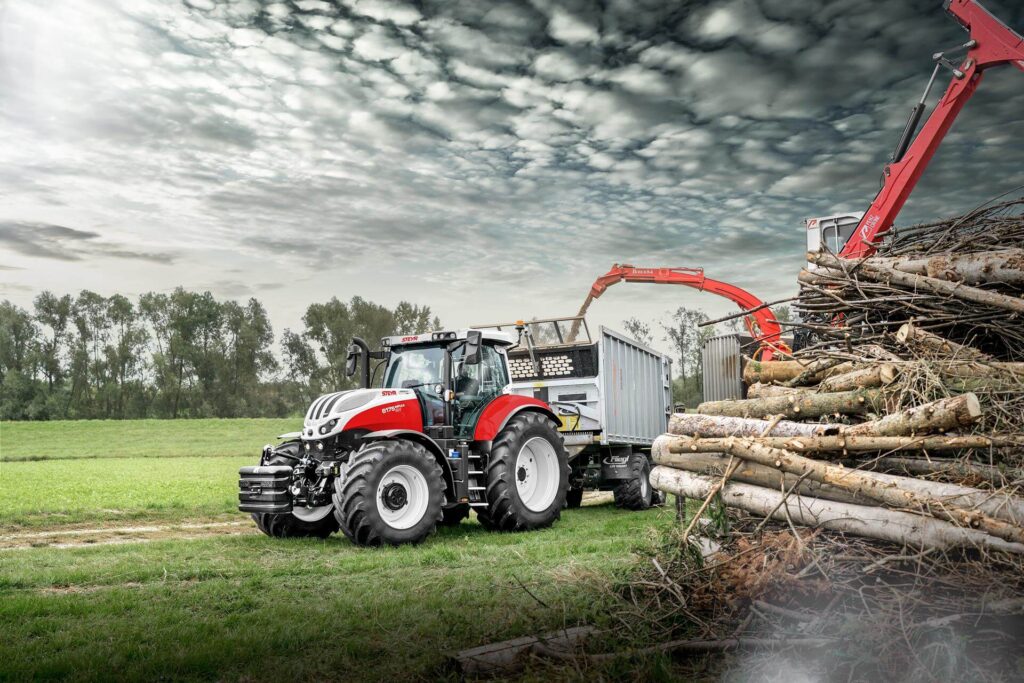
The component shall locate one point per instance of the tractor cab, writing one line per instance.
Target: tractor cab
(830, 234)
(454, 375)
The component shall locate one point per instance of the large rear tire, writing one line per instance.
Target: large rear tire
(636, 493)
(390, 492)
(318, 523)
(527, 476)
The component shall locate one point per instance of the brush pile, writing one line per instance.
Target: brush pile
(890, 450)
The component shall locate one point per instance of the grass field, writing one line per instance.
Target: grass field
(198, 606)
(139, 438)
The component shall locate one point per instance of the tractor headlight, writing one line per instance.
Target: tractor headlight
(353, 402)
(329, 426)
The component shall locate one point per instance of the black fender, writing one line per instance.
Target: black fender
(432, 447)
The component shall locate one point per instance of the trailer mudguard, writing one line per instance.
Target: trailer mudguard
(498, 412)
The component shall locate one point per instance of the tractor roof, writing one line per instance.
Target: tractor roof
(503, 338)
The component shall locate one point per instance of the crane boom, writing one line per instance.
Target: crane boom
(991, 44)
(760, 322)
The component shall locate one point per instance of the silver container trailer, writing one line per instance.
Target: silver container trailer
(613, 396)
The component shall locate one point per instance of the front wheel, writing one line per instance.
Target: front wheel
(390, 492)
(315, 522)
(527, 476)
(635, 493)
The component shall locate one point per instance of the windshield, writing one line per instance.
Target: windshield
(414, 366)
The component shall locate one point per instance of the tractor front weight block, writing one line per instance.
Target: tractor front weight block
(265, 489)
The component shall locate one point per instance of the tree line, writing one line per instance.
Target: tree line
(179, 355)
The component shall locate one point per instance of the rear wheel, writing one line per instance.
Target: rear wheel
(636, 493)
(527, 476)
(316, 522)
(390, 492)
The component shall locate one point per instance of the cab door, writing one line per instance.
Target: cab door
(475, 386)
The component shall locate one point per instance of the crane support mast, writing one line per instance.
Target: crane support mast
(991, 44)
(760, 322)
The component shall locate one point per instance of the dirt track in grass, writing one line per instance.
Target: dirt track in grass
(121, 534)
(79, 536)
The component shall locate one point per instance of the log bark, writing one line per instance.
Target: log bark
(1003, 267)
(895, 526)
(882, 273)
(787, 370)
(670, 443)
(879, 375)
(937, 416)
(911, 336)
(693, 424)
(918, 265)
(974, 370)
(714, 464)
(759, 390)
(1004, 507)
(950, 468)
(799, 406)
(889, 493)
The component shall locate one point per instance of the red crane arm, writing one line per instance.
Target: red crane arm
(992, 44)
(761, 324)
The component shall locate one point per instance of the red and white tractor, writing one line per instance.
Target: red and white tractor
(441, 436)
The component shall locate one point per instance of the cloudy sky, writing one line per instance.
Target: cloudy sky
(487, 159)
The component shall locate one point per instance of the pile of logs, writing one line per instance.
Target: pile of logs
(902, 419)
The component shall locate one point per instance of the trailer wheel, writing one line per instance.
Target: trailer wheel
(315, 522)
(390, 492)
(636, 493)
(574, 498)
(527, 476)
(453, 516)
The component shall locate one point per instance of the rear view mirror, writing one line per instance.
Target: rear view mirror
(352, 361)
(471, 355)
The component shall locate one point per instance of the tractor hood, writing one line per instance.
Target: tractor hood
(331, 414)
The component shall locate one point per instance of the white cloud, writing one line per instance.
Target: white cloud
(569, 28)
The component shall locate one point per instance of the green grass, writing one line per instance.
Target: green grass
(64, 492)
(255, 608)
(247, 607)
(61, 439)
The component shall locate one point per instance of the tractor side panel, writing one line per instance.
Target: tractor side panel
(496, 414)
(398, 415)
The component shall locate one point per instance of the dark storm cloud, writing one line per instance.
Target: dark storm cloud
(44, 240)
(580, 133)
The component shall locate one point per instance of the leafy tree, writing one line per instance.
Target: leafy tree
(17, 341)
(183, 354)
(639, 330)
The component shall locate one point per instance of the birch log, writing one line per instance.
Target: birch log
(759, 390)
(1003, 267)
(715, 425)
(937, 416)
(882, 273)
(888, 493)
(787, 370)
(898, 527)
(714, 464)
(880, 375)
(799, 406)
(842, 443)
(949, 468)
(1004, 507)
(910, 335)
